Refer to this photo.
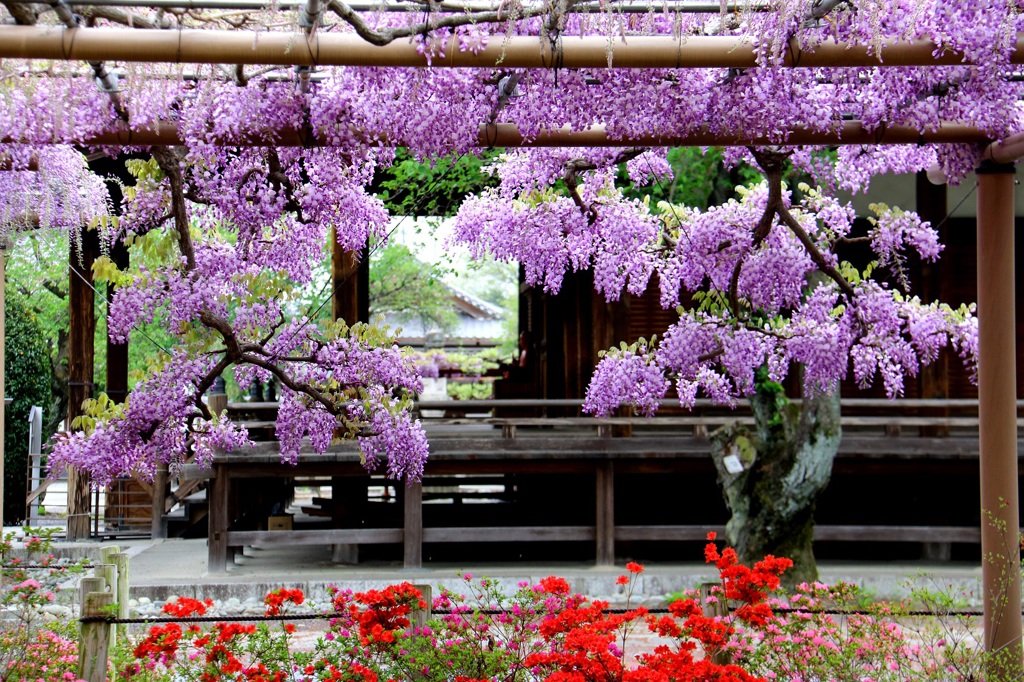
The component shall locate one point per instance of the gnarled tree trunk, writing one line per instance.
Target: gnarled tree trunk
(786, 463)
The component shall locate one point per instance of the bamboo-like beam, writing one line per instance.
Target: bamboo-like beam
(629, 7)
(1008, 150)
(339, 49)
(508, 135)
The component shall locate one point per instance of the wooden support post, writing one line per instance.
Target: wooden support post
(605, 521)
(997, 415)
(108, 574)
(412, 539)
(421, 616)
(217, 402)
(94, 643)
(219, 492)
(350, 277)
(81, 345)
(158, 526)
(348, 498)
(107, 553)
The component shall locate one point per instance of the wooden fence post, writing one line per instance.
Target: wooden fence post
(87, 585)
(715, 609)
(93, 644)
(421, 616)
(120, 560)
(108, 573)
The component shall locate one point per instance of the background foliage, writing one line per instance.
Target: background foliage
(28, 383)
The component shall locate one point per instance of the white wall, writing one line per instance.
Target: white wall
(898, 190)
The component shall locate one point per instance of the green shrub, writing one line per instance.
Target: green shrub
(27, 381)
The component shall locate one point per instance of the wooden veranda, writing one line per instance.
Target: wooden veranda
(573, 479)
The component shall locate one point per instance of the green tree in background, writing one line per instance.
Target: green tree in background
(402, 287)
(414, 188)
(27, 359)
(700, 179)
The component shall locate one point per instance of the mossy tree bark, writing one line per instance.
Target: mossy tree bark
(786, 463)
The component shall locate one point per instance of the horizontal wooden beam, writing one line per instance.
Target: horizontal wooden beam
(287, 48)
(648, 533)
(822, 533)
(333, 536)
(508, 135)
(897, 534)
(510, 534)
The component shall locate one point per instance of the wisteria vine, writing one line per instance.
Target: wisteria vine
(239, 211)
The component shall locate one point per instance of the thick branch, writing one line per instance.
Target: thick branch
(772, 163)
(573, 188)
(287, 380)
(204, 385)
(704, 357)
(25, 14)
(54, 289)
(506, 89)
(118, 16)
(823, 7)
(576, 166)
(280, 180)
(168, 158)
(384, 36)
(815, 254)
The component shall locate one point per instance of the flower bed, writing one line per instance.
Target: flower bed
(740, 629)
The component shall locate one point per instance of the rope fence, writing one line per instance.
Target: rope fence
(154, 620)
(103, 603)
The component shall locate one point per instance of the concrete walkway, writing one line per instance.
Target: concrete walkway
(178, 567)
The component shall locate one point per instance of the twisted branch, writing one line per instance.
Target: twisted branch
(772, 163)
(381, 37)
(576, 166)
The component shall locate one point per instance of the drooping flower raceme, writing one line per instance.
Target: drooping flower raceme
(234, 220)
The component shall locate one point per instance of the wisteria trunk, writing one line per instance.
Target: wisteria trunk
(787, 463)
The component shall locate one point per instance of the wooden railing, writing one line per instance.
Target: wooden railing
(555, 438)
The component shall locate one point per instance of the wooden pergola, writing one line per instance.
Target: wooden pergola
(995, 202)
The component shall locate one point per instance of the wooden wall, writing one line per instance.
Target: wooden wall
(567, 331)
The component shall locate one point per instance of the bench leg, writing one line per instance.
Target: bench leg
(937, 551)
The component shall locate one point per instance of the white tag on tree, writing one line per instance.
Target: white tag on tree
(733, 464)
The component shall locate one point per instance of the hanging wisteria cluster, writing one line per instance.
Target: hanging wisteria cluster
(263, 165)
